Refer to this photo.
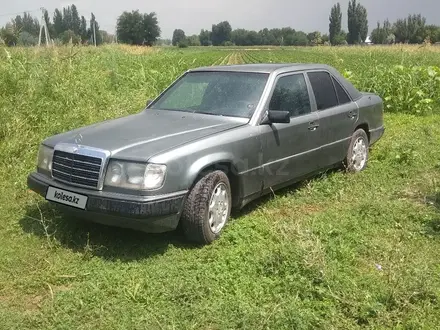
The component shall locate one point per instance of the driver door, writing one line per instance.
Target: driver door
(290, 151)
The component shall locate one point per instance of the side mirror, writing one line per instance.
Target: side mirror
(149, 102)
(274, 116)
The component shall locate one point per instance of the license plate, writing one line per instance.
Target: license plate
(66, 197)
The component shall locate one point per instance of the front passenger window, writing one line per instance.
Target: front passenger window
(291, 94)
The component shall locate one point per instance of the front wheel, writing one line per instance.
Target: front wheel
(207, 208)
(357, 155)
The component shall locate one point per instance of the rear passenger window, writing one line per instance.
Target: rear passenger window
(342, 95)
(291, 94)
(323, 89)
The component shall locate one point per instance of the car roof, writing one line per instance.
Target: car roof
(279, 68)
(264, 67)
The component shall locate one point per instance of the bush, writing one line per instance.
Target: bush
(27, 39)
(183, 43)
(68, 37)
(8, 36)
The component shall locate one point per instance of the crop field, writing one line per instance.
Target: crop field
(337, 251)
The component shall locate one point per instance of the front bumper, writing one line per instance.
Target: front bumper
(153, 214)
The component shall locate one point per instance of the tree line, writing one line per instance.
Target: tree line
(136, 28)
(408, 30)
(412, 29)
(65, 26)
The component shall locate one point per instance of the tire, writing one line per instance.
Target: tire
(201, 223)
(358, 152)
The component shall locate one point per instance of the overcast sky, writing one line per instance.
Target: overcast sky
(193, 15)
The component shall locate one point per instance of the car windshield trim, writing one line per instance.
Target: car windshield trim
(218, 93)
(197, 112)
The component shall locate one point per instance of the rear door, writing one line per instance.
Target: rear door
(290, 150)
(337, 116)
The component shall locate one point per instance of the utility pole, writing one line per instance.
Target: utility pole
(43, 25)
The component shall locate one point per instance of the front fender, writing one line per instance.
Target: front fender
(208, 161)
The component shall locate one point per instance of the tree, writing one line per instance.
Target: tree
(49, 25)
(416, 28)
(335, 25)
(184, 43)
(357, 23)
(83, 29)
(107, 38)
(267, 37)
(391, 39)
(254, 38)
(26, 39)
(287, 36)
(221, 33)
(341, 39)
(69, 36)
(410, 29)
(363, 23)
(300, 39)
(135, 28)
(8, 35)
(240, 37)
(58, 25)
(314, 38)
(194, 40)
(205, 37)
(27, 23)
(151, 28)
(67, 19)
(381, 34)
(76, 21)
(178, 36)
(17, 23)
(377, 35)
(278, 36)
(432, 33)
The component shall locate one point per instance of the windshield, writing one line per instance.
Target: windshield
(234, 94)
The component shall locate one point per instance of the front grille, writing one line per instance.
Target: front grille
(76, 169)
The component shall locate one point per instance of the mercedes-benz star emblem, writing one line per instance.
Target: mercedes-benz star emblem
(78, 139)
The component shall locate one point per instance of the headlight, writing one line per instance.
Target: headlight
(134, 175)
(45, 155)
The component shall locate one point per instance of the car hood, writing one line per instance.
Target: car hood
(143, 135)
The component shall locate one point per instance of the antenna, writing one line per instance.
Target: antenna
(43, 25)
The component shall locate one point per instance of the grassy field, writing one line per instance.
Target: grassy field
(335, 252)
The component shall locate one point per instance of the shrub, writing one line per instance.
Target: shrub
(183, 43)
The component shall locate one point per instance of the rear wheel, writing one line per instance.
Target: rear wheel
(207, 208)
(357, 155)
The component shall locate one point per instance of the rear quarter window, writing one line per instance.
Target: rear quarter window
(342, 95)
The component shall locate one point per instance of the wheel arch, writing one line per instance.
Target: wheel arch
(365, 127)
(222, 162)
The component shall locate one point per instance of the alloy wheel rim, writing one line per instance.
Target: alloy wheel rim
(218, 208)
(359, 154)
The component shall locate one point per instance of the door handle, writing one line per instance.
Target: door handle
(313, 126)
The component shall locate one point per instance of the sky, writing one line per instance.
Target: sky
(194, 15)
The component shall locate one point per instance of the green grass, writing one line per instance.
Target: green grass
(337, 251)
